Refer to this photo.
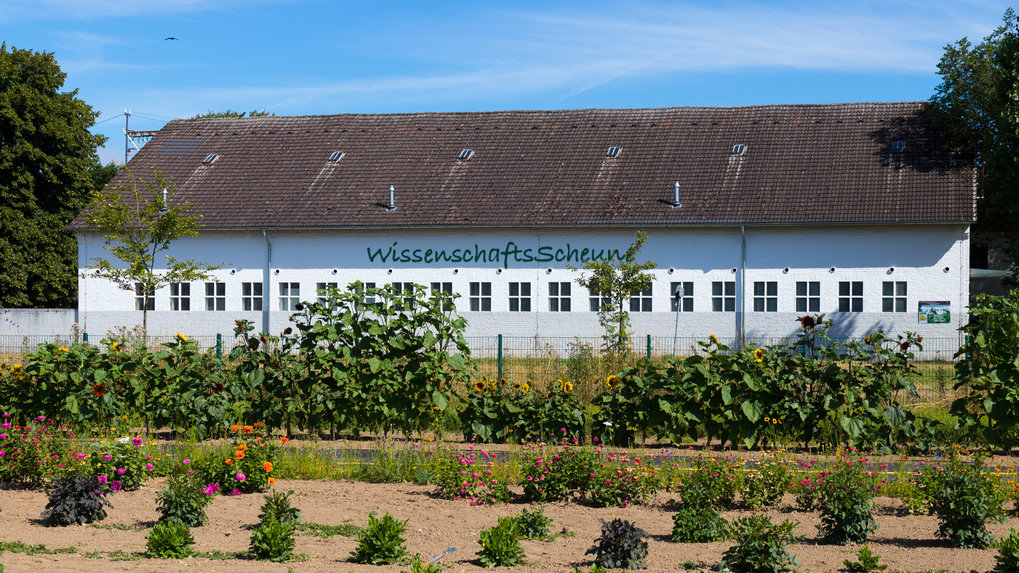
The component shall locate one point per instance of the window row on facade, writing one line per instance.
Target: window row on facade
(684, 296)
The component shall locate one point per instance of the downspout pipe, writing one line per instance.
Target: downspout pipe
(266, 280)
(741, 323)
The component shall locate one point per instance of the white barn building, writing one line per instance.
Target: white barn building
(762, 214)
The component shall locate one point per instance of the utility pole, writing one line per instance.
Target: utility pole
(127, 129)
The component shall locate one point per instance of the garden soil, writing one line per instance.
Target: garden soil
(904, 542)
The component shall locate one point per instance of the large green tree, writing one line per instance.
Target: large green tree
(977, 107)
(48, 172)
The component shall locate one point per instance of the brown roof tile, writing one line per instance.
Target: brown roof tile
(804, 164)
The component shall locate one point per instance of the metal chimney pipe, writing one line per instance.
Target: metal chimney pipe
(392, 199)
(675, 197)
(163, 208)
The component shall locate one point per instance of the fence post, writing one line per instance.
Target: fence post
(219, 351)
(84, 337)
(499, 377)
(649, 347)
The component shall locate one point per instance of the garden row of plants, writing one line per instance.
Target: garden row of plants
(402, 364)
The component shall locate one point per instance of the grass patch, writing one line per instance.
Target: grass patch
(117, 526)
(326, 531)
(19, 547)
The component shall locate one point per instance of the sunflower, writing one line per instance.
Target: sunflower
(807, 322)
(181, 337)
(516, 385)
(502, 382)
(759, 355)
(714, 339)
(479, 386)
(567, 386)
(612, 381)
(99, 390)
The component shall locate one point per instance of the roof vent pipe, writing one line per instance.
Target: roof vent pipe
(163, 208)
(392, 199)
(675, 197)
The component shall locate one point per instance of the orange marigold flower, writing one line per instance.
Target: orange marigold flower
(234, 428)
(239, 455)
(247, 429)
(267, 466)
(272, 481)
(228, 461)
(258, 439)
(284, 439)
(258, 425)
(242, 447)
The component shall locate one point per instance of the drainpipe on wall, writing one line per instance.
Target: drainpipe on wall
(741, 322)
(266, 280)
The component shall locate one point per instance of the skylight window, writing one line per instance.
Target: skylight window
(739, 149)
(210, 158)
(898, 146)
(466, 154)
(613, 152)
(336, 156)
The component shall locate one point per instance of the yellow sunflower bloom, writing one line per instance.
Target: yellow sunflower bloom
(479, 386)
(714, 339)
(759, 355)
(181, 337)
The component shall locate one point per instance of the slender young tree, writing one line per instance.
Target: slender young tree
(613, 282)
(138, 231)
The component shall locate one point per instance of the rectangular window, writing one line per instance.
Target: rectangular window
(180, 296)
(808, 296)
(480, 297)
(407, 290)
(850, 296)
(893, 296)
(251, 296)
(322, 290)
(723, 296)
(215, 296)
(597, 301)
(520, 297)
(290, 295)
(765, 296)
(139, 298)
(446, 288)
(682, 296)
(559, 297)
(640, 300)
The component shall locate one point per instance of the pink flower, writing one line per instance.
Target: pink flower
(116, 486)
(107, 457)
(187, 461)
(149, 466)
(5, 425)
(102, 479)
(241, 477)
(235, 492)
(136, 441)
(121, 471)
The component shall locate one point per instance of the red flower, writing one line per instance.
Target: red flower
(807, 322)
(99, 390)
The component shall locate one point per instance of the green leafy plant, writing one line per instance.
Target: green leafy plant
(556, 472)
(965, 499)
(845, 496)
(533, 524)
(244, 464)
(866, 562)
(419, 565)
(76, 500)
(170, 539)
(475, 475)
(277, 506)
(696, 519)
(183, 500)
(381, 542)
(766, 485)
(594, 569)
(620, 481)
(1008, 553)
(761, 546)
(273, 540)
(500, 545)
(621, 545)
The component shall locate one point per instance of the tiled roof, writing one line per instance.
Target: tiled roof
(803, 165)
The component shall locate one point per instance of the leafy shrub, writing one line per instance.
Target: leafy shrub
(915, 490)
(475, 475)
(124, 464)
(761, 546)
(556, 473)
(621, 545)
(277, 506)
(170, 539)
(242, 465)
(500, 545)
(696, 520)
(183, 500)
(1008, 553)
(76, 500)
(718, 478)
(594, 569)
(533, 525)
(846, 500)
(381, 543)
(273, 540)
(38, 451)
(619, 481)
(966, 498)
(766, 485)
(866, 562)
(418, 565)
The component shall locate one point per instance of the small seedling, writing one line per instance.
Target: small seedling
(866, 562)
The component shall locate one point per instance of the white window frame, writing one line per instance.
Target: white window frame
(808, 296)
(290, 295)
(180, 297)
(765, 296)
(723, 296)
(215, 296)
(850, 296)
(684, 302)
(520, 297)
(480, 296)
(642, 300)
(894, 296)
(559, 296)
(252, 296)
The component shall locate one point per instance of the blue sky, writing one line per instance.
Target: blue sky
(297, 57)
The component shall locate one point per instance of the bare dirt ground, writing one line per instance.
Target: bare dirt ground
(904, 542)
